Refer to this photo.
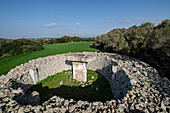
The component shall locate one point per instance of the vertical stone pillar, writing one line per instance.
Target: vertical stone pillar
(114, 70)
(34, 75)
(79, 71)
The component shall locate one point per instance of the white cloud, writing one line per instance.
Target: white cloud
(77, 24)
(152, 20)
(82, 34)
(110, 21)
(51, 25)
(156, 20)
(126, 21)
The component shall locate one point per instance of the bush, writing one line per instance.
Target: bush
(146, 42)
(63, 39)
(19, 46)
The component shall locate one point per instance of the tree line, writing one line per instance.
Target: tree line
(15, 47)
(10, 47)
(146, 42)
(63, 39)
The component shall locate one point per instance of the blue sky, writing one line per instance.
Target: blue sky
(84, 18)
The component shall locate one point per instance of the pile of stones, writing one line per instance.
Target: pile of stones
(148, 93)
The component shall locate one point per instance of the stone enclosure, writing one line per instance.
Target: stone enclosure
(135, 85)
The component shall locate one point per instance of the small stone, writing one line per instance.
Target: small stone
(125, 98)
(71, 100)
(95, 103)
(163, 106)
(19, 90)
(61, 82)
(80, 103)
(105, 107)
(88, 110)
(71, 109)
(38, 109)
(138, 106)
(48, 106)
(97, 88)
(146, 111)
(66, 103)
(1, 111)
(63, 109)
(34, 98)
(92, 77)
(17, 107)
(1, 94)
(156, 108)
(152, 109)
(121, 107)
(131, 92)
(113, 111)
(26, 110)
(138, 85)
(21, 110)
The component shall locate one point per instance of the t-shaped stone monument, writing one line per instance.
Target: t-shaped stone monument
(79, 62)
(79, 71)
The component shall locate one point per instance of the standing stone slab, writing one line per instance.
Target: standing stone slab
(79, 71)
(114, 70)
(34, 75)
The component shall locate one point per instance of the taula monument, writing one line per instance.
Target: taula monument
(136, 87)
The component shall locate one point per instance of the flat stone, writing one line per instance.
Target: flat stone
(71, 108)
(95, 103)
(34, 75)
(19, 90)
(33, 98)
(121, 107)
(163, 106)
(79, 71)
(63, 109)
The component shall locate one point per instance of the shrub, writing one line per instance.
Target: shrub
(19, 46)
(146, 42)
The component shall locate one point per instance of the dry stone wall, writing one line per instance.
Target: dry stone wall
(136, 86)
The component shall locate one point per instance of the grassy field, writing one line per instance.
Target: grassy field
(72, 89)
(8, 63)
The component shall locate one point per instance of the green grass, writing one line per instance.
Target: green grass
(8, 63)
(72, 89)
(66, 77)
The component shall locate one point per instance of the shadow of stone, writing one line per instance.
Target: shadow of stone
(121, 84)
(136, 111)
(103, 89)
(159, 83)
(87, 93)
(22, 97)
(119, 81)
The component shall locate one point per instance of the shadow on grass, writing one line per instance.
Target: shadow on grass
(98, 91)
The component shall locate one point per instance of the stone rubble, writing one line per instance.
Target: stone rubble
(136, 88)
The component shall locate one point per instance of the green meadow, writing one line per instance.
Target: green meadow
(8, 63)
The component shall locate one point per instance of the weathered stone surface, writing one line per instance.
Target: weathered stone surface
(34, 98)
(135, 86)
(79, 71)
(34, 75)
(19, 90)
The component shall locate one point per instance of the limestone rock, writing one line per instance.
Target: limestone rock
(33, 98)
(135, 85)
